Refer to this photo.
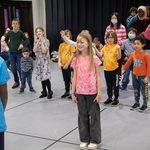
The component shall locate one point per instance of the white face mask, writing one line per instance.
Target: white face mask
(114, 21)
(131, 36)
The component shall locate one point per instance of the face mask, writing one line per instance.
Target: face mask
(114, 21)
(131, 36)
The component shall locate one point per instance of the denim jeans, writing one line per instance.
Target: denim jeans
(15, 59)
(28, 76)
(140, 86)
(126, 76)
(89, 119)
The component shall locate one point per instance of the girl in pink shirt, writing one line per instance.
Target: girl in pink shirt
(86, 91)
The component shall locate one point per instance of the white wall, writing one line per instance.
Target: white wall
(39, 13)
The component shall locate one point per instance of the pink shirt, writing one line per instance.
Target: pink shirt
(147, 33)
(86, 81)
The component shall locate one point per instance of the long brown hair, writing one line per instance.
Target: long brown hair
(86, 35)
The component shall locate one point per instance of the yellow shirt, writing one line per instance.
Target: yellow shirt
(110, 57)
(65, 51)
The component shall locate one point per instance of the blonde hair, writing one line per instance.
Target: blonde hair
(87, 36)
(40, 28)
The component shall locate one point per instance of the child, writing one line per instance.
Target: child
(111, 53)
(26, 70)
(65, 57)
(5, 48)
(4, 77)
(97, 43)
(133, 12)
(141, 72)
(86, 91)
(127, 48)
(16, 40)
(42, 62)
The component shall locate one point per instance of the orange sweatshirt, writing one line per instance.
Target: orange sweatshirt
(141, 63)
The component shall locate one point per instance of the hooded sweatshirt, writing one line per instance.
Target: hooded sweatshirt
(142, 23)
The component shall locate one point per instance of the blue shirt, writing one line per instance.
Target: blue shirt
(4, 77)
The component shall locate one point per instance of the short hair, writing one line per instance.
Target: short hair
(132, 29)
(140, 38)
(15, 19)
(133, 9)
(25, 49)
(113, 35)
(67, 31)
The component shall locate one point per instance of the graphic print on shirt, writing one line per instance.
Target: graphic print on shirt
(137, 62)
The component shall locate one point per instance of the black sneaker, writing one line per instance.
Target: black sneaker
(21, 91)
(135, 106)
(66, 94)
(49, 96)
(108, 101)
(44, 94)
(143, 108)
(115, 102)
(32, 90)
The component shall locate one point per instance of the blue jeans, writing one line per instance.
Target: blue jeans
(28, 76)
(140, 86)
(126, 76)
(15, 59)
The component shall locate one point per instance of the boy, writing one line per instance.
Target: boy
(4, 77)
(16, 40)
(127, 48)
(26, 70)
(133, 12)
(141, 72)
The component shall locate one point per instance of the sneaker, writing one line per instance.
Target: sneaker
(21, 91)
(143, 109)
(123, 88)
(66, 94)
(32, 90)
(93, 146)
(115, 102)
(49, 96)
(108, 101)
(135, 106)
(16, 84)
(44, 94)
(83, 145)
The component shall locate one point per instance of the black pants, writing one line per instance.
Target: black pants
(89, 119)
(46, 84)
(67, 78)
(112, 82)
(1, 140)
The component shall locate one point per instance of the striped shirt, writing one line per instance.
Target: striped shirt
(121, 33)
(26, 64)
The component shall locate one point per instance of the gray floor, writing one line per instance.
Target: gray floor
(41, 124)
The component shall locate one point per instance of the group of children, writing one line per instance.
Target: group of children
(84, 58)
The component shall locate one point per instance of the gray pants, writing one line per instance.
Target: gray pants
(89, 119)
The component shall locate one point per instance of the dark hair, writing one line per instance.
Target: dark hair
(15, 19)
(118, 18)
(132, 29)
(25, 49)
(140, 38)
(113, 35)
(68, 32)
(133, 9)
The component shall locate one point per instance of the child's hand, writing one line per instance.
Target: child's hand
(20, 47)
(74, 98)
(65, 66)
(62, 33)
(145, 80)
(123, 71)
(59, 65)
(98, 98)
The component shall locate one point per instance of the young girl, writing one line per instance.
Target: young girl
(65, 57)
(42, 62)
(86, 91)
(111, 53)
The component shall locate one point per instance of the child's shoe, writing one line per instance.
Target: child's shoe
(93, 146)
(108, 101)
(115, 102)
(32, 90)
(143, 108)
(44, 94)
(49, 96)
(83, 145)
(66, 94)
(135, 106)
(21, 91)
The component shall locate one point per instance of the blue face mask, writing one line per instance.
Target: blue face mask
(131, 36)
(114, 21)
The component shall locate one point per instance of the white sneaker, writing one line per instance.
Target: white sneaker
(93, 146)
(83, 145)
